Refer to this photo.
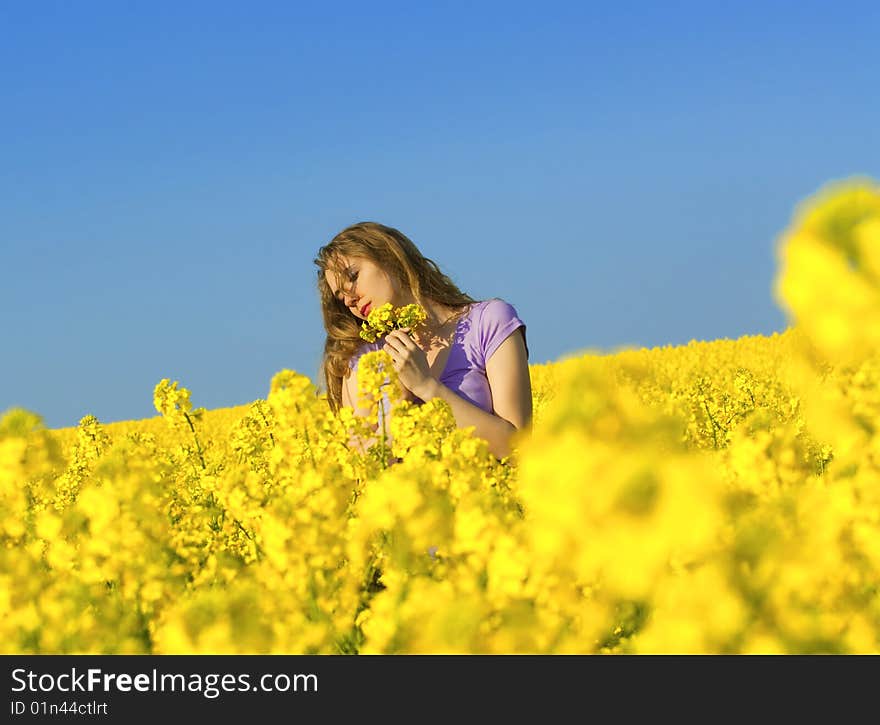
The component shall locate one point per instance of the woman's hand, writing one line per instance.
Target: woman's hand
(410, 362)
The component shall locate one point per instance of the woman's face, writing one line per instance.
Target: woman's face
(362, 285)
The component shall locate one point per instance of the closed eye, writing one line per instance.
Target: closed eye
(352, 277)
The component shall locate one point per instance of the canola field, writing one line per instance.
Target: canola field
(717, 497)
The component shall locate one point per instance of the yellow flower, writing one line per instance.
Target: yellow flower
(386, 318)
(829, 277)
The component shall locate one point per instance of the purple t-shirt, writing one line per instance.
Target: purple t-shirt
(478, 334)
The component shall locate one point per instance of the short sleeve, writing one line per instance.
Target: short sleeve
(498, 321)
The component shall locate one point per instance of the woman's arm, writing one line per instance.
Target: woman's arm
(510, 383)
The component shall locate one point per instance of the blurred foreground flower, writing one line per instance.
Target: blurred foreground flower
(829, 276)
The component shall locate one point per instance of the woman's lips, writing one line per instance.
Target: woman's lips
(365, 309)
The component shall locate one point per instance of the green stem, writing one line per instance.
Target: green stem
(306, 436)
(714, 424)
(260, 411)
(198, 445)
(382, 421)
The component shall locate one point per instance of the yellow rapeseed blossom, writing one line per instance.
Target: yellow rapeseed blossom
(386, 318)
(828, 278)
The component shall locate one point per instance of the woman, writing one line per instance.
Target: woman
(470, 353)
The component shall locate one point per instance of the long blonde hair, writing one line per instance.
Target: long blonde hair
(396, 254)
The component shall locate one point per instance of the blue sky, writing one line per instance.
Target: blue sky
(620, 173)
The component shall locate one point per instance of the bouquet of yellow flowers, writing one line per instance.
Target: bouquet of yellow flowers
(386, 318)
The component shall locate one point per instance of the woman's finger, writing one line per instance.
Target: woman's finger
(403, 341)
(395, 335)
(406, 340)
